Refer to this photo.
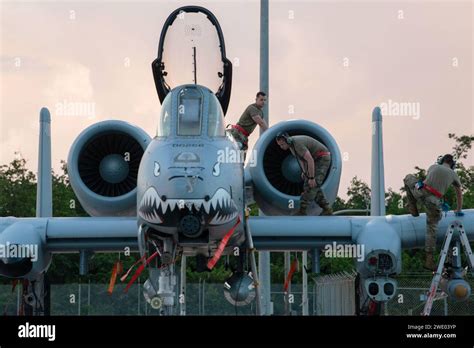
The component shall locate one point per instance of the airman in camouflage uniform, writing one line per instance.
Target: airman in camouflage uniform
(315, 161)
(428, 193)
(248, 121)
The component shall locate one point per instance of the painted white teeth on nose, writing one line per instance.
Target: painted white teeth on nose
(151, 201)
(223, 202)
(217, 198)
(150, 196)
(164, 206)
(207, 205)
(156, 217)
(216, 219)
(213, 203)
(172, 204)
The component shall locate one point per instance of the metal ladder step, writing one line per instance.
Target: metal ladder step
(455, 226)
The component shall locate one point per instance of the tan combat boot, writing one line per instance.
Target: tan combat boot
(300, 212)
(327, 211)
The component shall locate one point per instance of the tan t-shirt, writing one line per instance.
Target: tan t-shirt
(440, 177)
(246, 121)
(303, 143)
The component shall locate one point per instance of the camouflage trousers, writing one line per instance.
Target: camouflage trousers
(321, 167)
(432, 205)
(240, 138)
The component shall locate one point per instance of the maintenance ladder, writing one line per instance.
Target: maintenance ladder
(455, 226)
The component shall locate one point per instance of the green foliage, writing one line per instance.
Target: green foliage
(65, 202)
(462, 145)
(395, 203)
(466, 174)
(412, 260)
(358, 194)
(339, 204)
(18, 189)
(253, 209)
(335, 265)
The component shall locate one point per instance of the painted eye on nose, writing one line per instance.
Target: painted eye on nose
(156, 170)
(216, 171)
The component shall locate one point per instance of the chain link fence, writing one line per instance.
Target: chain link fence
(327, 295)
(411, 297)
(92, 299)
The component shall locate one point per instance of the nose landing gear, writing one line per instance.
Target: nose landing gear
(159, 289)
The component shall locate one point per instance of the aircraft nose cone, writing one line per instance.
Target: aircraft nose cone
(113, 168)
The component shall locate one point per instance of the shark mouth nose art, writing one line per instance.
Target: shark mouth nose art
(217, 210)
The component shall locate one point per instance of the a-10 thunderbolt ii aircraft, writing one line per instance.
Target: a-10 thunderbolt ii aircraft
(185, 192)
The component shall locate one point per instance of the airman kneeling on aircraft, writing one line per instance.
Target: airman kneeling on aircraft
(429, 193)
(251, 117)
(315, 160)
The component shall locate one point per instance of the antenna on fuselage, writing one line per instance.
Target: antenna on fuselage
(194, 65)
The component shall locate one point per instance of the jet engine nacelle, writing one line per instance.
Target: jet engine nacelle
(276, 174)
(103, 167)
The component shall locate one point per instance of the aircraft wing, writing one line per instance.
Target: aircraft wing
(307, 232)
(371, 237)
(45, 236)
(269, 233)
(71, 234)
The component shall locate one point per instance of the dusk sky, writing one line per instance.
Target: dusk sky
(331, 62)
